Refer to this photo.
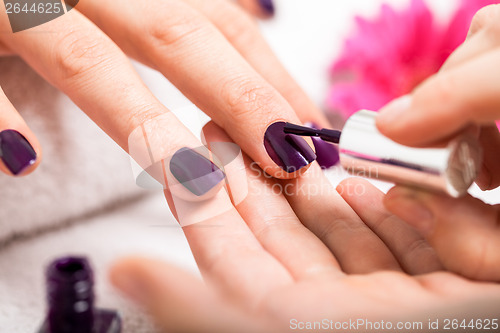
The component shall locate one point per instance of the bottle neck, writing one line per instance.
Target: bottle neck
(70, 296)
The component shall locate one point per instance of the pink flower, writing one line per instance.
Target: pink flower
(390, 55)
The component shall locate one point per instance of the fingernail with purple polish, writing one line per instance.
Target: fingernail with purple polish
(195, 172)
(15, 151)
(327, 153)
(267, 6)
(290, 152)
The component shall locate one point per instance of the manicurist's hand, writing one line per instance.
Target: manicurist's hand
(292, 251)
(211, 50)
(465, 232)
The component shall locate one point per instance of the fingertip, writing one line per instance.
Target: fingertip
(128, 276)
(125, 266)
(343, 189)
(20, 152)
(346, 184)
(397, 190)
(355, 181)
(262, 9)
(391, 118)
(401, 191)
(409, 205)
(279, 173)
(340, 187)
(414, 120)
(283, 157)
(398, 194)
(115, 272)
(288, 155)
(31, 168)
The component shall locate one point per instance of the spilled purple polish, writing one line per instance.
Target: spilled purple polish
(70, 296)
(267, 6)
(290, 152)
(195, 172)
(15, 151)
(327, 153)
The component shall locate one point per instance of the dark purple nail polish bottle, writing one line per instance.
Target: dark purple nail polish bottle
(70, 297)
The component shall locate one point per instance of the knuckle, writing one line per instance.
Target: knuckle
(415, 250)
(166, 33)
(345, 227)
(78, 53)
(140, 115)
(245, 97)
(275, 222)
(241, 29)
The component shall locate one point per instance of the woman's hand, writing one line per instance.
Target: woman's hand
(294, 249)
(211, 50)
(464, 232)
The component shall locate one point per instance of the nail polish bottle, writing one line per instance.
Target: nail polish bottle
(451, 169)
(70, 297)
(365, 152)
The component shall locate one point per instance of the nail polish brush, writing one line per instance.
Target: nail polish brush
(328, 135)
(365, 152)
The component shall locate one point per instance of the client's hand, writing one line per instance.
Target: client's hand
(465, 232)
(293, 251)
(211, 50)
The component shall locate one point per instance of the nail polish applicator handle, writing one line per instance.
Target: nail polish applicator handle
(328, 135)
(365, 152)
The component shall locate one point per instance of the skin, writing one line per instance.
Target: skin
(253, 7)
(346, 258)
(464, 232)
(264, 266)
(331, 266)
(212, 51)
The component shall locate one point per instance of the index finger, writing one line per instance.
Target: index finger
(188, 49)
(77, 57)
(446, 103)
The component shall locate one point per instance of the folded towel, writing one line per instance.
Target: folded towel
(142, 227)
(82, 170)
(84, 178)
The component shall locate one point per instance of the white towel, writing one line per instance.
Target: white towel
(81, 200)
(82, 170)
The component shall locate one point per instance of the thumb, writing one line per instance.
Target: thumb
(464, 232)
(446, 103)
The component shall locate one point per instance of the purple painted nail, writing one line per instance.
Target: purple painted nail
(267, 6)
(196, 172)
(289, 151)
(328, 154)
(15, 151)
(70, 294)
